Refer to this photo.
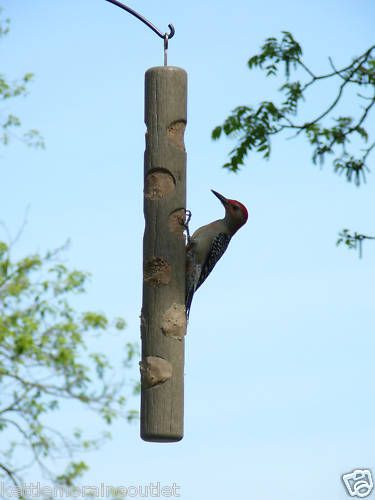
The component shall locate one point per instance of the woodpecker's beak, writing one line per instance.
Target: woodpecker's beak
(222, 198)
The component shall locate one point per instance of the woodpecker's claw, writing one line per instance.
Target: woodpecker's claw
(188, 216)
(186, 223)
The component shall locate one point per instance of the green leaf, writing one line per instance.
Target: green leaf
(216, 133)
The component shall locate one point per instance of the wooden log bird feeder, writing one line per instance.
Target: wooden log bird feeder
(163, 317)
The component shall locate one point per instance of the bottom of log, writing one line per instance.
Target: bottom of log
(161, 438)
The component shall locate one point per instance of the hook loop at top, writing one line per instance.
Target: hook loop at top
(172, 31)
(144, 20)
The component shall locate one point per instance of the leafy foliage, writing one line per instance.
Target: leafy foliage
(45, 361)
(353, 241)
(254, 126)
(15, 89)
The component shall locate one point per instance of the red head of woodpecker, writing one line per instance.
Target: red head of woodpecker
(208, 243)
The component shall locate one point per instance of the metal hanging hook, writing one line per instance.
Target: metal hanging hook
(165, 36)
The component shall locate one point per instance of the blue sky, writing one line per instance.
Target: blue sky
(279, 354)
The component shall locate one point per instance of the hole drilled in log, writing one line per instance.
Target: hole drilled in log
(154, 370)
(176, 221)
(175, 133)
(159, 183)
(174, 321)
(157, 272)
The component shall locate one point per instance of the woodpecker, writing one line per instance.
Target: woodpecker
(208, 243)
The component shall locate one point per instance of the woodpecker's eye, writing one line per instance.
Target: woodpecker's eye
(235, 207)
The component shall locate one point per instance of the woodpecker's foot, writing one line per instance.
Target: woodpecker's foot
(186, 224)
(188, 216)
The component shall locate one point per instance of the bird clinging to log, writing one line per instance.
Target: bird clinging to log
(208, 243)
